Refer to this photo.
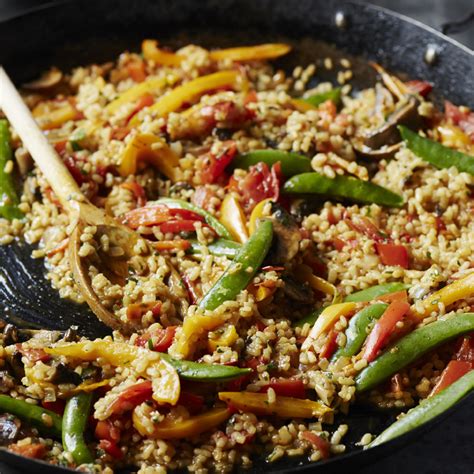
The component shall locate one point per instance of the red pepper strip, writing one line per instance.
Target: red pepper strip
(186, 214)
(33, 355)
(190, 290)
(216, 165)
(453, 371)
(144, 101)
(105, 429)
(392, 254)
(175, 226)
(111, 448)
(286, 387)
(132, 397)
(74, 170)
(56, 406)
(194, 403)
(330, 345)
(138, 191)
(146, 216)
(322, 445)
(419, 87)
(384, 328)
(136, 70)
(396, 296)
(466, 351)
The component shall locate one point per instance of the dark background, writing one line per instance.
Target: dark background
(449, 447)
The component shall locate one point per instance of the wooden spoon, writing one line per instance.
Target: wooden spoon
(80, 210)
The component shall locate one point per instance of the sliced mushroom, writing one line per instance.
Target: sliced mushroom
(9, 429)
(47, 81)
(286, 236)
(7, 382)
(406, 113)
(383, 153)
(297, 291)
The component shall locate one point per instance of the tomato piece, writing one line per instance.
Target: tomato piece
(137, 190)
(452, 372)
(33, 355)
(226, 114)
(194, 403)
(202, 197)
(260, 183)
(56, 406)
(420, 87)
(144, 101)
(464, 119)
(321, 444)
(190, 289)
(384, 327)
(33, 450)
(131, 397)
(75, 171)
(396, 385)
(466, 351)
(105, 429)
(158, 340)
(186, 214)
(136, 70)
(330, 345)
(365, 226)
(216, 165)
(286, 387)
(135, 311)
(111, 448)
(59, 248)
(392, 254)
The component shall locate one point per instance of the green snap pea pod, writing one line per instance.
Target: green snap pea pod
(428, 409)
(318, 99)
(208, 217)
(309, 319)
(75, 418)
(8, 197)
(411, 347)
(199, 372)
(356, 331)
(291, 163)
(220, 248)
(435, 153)
(343, 187)
(47, 422)
(375, 291)
(241, 271)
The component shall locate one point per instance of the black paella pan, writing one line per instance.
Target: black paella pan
(75, 32)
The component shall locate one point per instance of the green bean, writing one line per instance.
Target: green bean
(291, 163)
(356, 331)
(241, 271)
(318, 99)
(199, 372)
(375, 291)
(309, 319)
(342, 187)
(435, 153)
(76, 415)
(411, 347)
(47, 422)
(208, 217)
(428, 409)
(220, 248)
(8, 197)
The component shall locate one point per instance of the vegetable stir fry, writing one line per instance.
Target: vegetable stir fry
(298, 249)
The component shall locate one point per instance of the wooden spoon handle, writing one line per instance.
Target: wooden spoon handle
(48, 161)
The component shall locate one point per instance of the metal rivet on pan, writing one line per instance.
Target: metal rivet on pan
(431, 54)
(340, 20)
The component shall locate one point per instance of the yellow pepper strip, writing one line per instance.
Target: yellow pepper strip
(462, 288)
(194, 327)
(326, 319)
(135, 92)
(301, 105)
(284, 407)
(261, 292)
(54, 118)
(189, 91)
(152, 149)
(171, 429)
(453, 136)
(151, 52)
(165, 379)
(233, 218)
(226, 339)
(90, 387)
(304, 274)
(251, 53)
(256, 214)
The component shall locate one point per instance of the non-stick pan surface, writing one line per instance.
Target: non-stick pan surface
(75, 32)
